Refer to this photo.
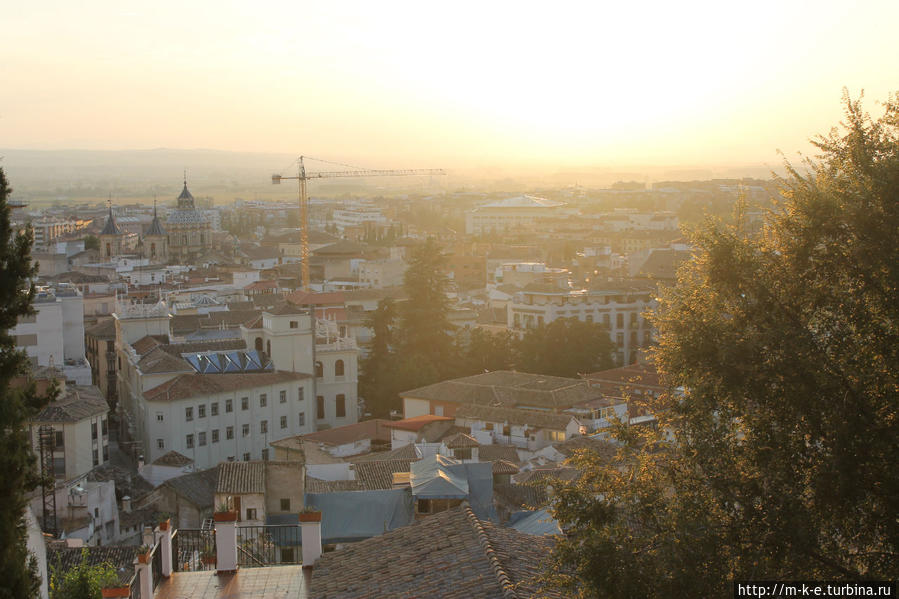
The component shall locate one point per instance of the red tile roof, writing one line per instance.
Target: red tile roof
(417, 423)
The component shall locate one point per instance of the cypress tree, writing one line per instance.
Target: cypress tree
(18, 570)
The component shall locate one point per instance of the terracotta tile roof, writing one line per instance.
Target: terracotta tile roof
(197, 487)
(406, 452)
(147, 343)
(350, 433)
(548, 474)
(504, 467)
(184, 386)
(158, 361)
(460, 440)
(533, 418)
(303, 298)
(285, 308)
(492, 453)
(172, 458)
(417, 423)
(452, 554)
(176, 349)
(261, 285)
(510, 389)
(634, 374)
(379, 475)
(78, 403)
(237, 478)
(102, 329)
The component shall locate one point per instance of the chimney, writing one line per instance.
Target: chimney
(126, 504)
(311, 538)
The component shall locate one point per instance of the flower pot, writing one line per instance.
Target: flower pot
(310, 516)
(225, 516)
(164, 525)
(144, 558)
(116, 592)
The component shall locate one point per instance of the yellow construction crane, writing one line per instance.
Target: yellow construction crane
(303, 176)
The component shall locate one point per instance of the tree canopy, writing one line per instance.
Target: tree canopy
(777, 461)
(17, 406)
(565, 347)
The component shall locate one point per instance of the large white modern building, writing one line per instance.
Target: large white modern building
(227, 400)
(619, 308)
(54, 335)
(510, 215)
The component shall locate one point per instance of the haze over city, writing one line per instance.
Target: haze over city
(461, 86)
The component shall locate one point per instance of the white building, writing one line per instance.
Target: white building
(355, 214)
(79, 419)
(521, 213)
(620, 309)
(54, 336)
(227, 400)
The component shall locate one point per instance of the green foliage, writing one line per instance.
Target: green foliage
(17, 406)
(91, 242)
(377, 380)
(780, 458)
(482, 351)
(565, 347)
(83, 581)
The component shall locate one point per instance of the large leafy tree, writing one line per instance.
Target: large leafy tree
(17, 406)
(565, 347)
(778, 460)
(377, 377)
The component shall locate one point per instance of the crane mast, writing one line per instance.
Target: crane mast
(303, 198)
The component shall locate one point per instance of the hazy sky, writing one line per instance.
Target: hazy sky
(446, 84)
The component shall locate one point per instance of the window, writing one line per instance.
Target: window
(283, 396)
(160, 444)
(201, 437)
(605, 319)
(245, 430)
(201, 411)
(302, 419)
(59, 441)
(246, 457)
(320, 407)
(507, 430)
(265, 455)
(294, 324)
(214, 408)
(244, 403)
(488, 426)
(215, 436)
(283, 421)
(338, 368)
(104, 427)
(229, 406)
(94, 431)
(619, 320)
(188, 414)
(263, 427)
(159, 417)
(190, 441)
(230, 458)
(319, 370)
(263, 399)
(229, 432)
(251, 511)
(285, 504)
(341, 405)
(555, 435)
(300, 394)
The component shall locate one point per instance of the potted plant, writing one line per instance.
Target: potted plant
(310, 514)
(110, 585)
(165, 521)
(224, 513)
(143, 554)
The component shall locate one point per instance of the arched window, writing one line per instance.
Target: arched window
(258, 344)
(338, 368)
(108, 250)
(319, 370)
(152, 250)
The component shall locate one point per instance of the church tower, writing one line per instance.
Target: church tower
(110, 238)
(155, 240)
